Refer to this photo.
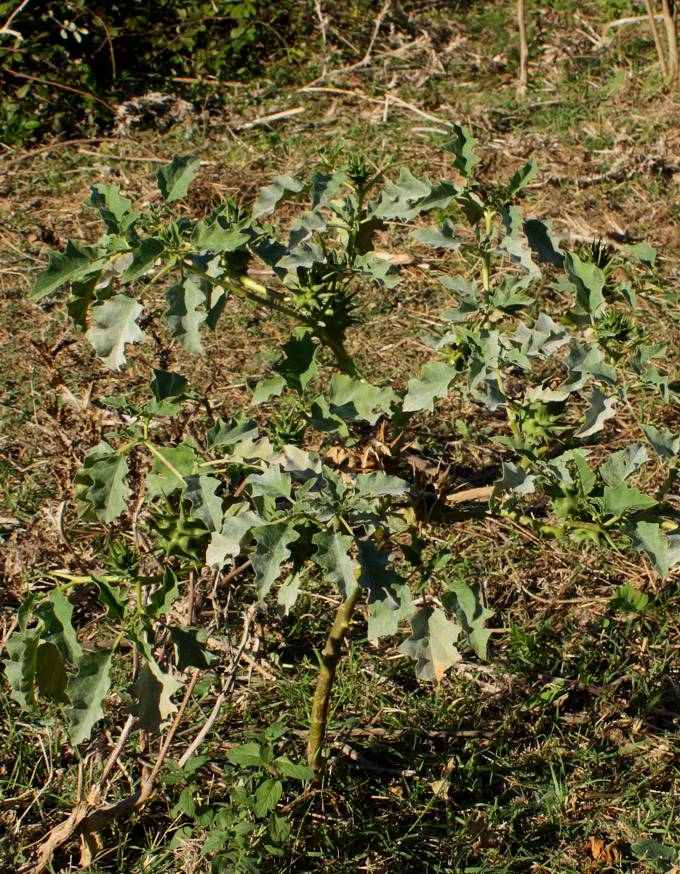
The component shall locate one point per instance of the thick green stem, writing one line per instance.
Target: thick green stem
(330, 656)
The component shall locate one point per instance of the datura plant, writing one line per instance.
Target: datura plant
(543, 340)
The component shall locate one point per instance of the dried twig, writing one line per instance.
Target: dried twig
(663, 66)
(6, 29)
(86, 818)
(269, 119)
(61, 87)
(392, 98)
(672, 36)
(523, 80)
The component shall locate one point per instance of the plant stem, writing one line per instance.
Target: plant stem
(657, 39)
(330, 656)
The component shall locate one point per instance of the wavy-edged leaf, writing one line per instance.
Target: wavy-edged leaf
(153, 690)
(355, 400)
(438, 238)
(206, 505)
(22, 649)
(175, 178)
(115, 326)
(665, 443)
(433, 383)
(87, 691)
(623, 463)
(378, 484)
(191, 648)
(462, 600)
(588, 280)
(227, 542)
(50, 673)
(649, 538)
(100, 485)
(462, 147)
(185, 314)
(60, 625)
(332, 556)
(389, 599)
(273, 483)
(270, 197)
(271, 552)
(621, 498)
(600, 410)
(432, 644)
(171, 466)
(519, 180)
(542, 243)
(144, 257)
(76, 263)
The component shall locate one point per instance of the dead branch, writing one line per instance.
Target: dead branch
(657, 39)
(523, 80)
(672, 38)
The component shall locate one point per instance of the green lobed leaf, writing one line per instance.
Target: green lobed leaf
(228, 541)
(288, 593)
(144, 257)
(270, 197)
(20, 667)
(438, 238)
(61, 625)
(588, 280)
(271, 552)
(434, 383)
(600, 410)
(665, 443)
(623, 463)
(542, 243)
(191, 648)
(115, 209)
(649, 538)
(185, 314)
(174, 178)
(432, 643)
(100, 484)
(643, 252)
(161, 599)
(462, 600)
(273, 483)
(50, 673)
(355, 400)
(389, 598)
(224, 433)
(167, 385)
(115, 326)
(153, 690)
(621, 498)
(206, 505)
(171, 466)
(114, 597)
(87, 691)
(378, 484)
(332, 556)
(76, 263)
(519, 180)
(462, 147)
